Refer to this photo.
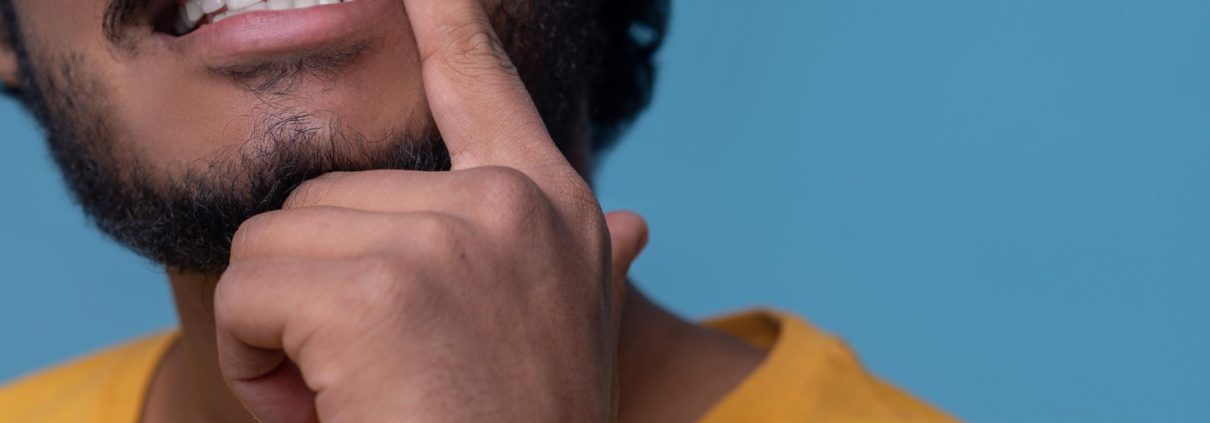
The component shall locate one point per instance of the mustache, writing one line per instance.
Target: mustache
(119, 16)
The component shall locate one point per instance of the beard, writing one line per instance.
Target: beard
(187, 221)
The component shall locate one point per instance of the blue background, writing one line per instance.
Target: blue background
(1002, 205)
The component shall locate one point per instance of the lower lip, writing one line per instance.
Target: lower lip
(261, 33)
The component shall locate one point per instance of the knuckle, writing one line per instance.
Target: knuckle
(223, 315)
(498, 183)
(226, 292)
(511, 194)
(251, 232)
(314, 191)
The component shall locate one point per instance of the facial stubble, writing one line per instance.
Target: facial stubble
(186, 221)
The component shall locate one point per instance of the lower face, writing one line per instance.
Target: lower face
(186, 82)
(173, 127)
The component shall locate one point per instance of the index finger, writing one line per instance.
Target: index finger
(482, 108)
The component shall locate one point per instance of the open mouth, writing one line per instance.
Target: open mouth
(189, 15)
(227, 32)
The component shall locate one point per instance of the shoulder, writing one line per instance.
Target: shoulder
(810, 375)
(102, 387)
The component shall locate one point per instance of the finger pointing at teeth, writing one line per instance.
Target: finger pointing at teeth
(479, 102)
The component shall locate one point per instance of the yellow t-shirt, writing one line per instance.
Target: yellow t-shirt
(807, 376)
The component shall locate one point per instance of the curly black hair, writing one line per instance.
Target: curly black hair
(634, 31)
(628, 33)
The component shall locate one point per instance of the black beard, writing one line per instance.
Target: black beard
(187, 222)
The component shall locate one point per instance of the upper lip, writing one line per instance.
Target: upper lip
(257, 36)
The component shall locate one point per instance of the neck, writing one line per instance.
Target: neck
(189, 386)
(659, 355)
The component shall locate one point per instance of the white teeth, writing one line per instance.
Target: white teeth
(240, 4)
(190, 14)
(250, 8)
(210, 6)
(194, 12)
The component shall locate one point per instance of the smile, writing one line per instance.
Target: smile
(193, 14)
(232, 31)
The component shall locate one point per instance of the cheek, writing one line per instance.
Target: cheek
(75, 23)
(173, 113)
(53, 30)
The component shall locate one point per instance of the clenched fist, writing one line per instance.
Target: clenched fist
(488, 293)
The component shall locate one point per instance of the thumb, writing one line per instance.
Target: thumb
(628, 237)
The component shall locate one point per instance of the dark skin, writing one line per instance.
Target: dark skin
(513, 240)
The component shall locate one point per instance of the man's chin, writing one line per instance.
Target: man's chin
(186, 222)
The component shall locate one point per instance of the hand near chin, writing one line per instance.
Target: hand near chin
(488, 293)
